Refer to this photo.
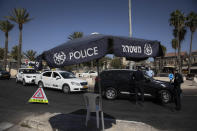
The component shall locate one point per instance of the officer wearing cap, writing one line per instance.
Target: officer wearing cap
(178, 79)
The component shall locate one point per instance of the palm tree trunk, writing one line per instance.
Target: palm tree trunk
(179, 49)
(6, 50)
(190, 52)
(19, 49)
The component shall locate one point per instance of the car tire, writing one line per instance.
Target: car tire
(24, 83)
(165, 96)
(111, 93)
(40, 85)
(66, 89)
(17, 80)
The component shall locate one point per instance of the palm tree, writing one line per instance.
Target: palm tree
(30, 54)
(175, 47)
(177, 19)
(164, 49)
(192, 24)
(14, 52)
(182, 33)
(6, 26)
(75, 35)
(1, 53)
(20, 16)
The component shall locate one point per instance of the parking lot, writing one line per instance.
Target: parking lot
(14, 107)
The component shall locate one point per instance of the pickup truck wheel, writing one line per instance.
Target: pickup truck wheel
(40, 85)
(111, 93)
(24, 83)
(66, 89)
(165, 96)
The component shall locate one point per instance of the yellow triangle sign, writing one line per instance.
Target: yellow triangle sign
(39, 97)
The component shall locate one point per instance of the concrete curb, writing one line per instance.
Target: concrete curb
(41, 123)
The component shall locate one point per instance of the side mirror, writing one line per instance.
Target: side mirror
(58, 77)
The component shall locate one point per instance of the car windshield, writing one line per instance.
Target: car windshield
(3, 71)
(28, 71)
(147, 76)
(67, 75)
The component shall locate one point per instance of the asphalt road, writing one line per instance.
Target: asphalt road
(14, 107)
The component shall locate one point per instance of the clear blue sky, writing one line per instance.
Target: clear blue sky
(54, 20)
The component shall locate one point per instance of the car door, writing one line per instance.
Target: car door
(46, 78)
(148, 85)
(123, 80)
(56, 83)
(20, 71)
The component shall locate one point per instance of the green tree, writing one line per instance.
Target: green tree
(30, 54)
(75, 35)
(175, 47)
(6, 26)
(164, 49)
(177, 20)
(192, 24)
(182, 33)
(116, 63)
(1, 53)
(14, 52)
(20, 16)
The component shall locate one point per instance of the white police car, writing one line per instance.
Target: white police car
(62, 80)
(26, 75)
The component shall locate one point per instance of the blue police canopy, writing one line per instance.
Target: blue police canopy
(97, 46)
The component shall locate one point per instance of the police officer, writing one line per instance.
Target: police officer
(138, 77)
(178, 79)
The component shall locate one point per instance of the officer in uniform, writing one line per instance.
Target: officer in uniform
(178, 79)
(138, 77)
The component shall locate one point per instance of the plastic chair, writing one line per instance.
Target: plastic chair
(92, 105)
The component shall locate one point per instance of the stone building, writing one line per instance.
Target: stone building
(169, 62)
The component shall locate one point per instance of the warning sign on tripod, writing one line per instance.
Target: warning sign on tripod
(39, 97)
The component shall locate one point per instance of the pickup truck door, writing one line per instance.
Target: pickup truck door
(46, 79)
(56, 83)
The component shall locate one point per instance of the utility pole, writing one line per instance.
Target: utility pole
(130, 25)
(130, 31)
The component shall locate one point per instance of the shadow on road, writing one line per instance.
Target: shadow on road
(75, 121)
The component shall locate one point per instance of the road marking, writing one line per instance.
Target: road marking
(128, 93)
(5, 125)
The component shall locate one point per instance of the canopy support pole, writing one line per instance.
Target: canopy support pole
(100, 93)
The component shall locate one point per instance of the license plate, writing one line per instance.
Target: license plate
(85, 86)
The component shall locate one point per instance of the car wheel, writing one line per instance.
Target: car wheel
(66, 89)
(24, 83)
(16, 80)
(165, 96)
(111, 93)
(40, 85)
